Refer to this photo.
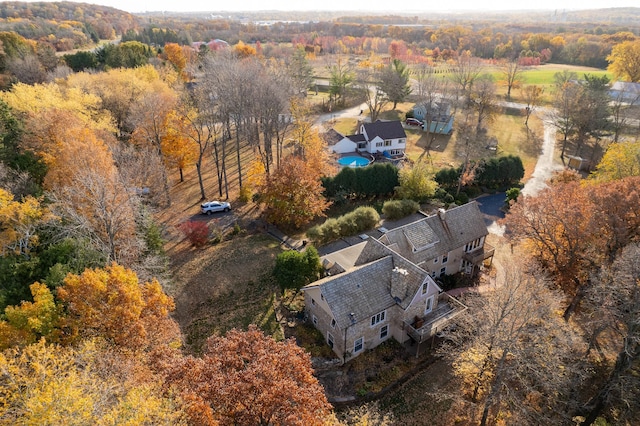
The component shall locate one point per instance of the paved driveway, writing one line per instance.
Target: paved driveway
(490, 207)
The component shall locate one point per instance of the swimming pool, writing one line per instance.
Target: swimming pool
(353, 161)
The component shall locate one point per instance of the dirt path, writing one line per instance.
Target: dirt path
(546, 166)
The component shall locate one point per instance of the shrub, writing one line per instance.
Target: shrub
(196, 232)
(397, 209)
(462, 198)
(359, 220)
(245, 194)
(365, 218)
(294, 269)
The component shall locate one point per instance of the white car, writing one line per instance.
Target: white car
(214, 206)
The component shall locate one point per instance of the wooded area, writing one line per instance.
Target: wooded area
(105, 117)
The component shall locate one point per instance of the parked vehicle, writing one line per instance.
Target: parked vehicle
(214, 206)
(413, 122)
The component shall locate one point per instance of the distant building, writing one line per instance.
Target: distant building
(437, 115)
(373, 138)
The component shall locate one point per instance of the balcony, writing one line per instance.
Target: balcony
(479, 255)
(447, 309)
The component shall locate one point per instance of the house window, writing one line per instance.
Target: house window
(436, 260)
(425, 287)
(330, 340)
(443, 271)
(472, 245)
(384, 330)
(429, 306)
(313, 302)
(321, 296)
(358, 345)
(333, 323)
(314, 319)
(379, 144)
(377, 318)
(387, 143)
(445, 258)
(402, 141)
(433, 274)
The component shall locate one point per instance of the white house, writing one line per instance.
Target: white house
(374, 138)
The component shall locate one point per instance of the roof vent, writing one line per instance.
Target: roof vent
(400, 271)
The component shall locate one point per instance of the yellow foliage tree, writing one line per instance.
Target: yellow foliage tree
(53, 385)
(27, 323)
(112, 304)
(624, 61)
(621, 160)
(244, 50)
(18, 222)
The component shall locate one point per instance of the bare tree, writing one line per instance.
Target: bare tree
(621, 107)
(566, 98)
(509, 347)
(367, 82)
(465, 72)
(614, 308)
(532, 95)
(482, 99)
(98, 207)
(511, 72)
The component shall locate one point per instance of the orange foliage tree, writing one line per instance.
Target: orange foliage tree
(293, 194)
(112, 304)
(247, 378)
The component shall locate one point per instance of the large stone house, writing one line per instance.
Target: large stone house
(374, 138)
(373, 291)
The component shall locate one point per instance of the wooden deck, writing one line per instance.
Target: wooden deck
(448, 308)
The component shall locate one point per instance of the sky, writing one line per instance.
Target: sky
(136, 6)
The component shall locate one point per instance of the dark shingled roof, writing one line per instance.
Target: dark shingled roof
(332, 137)
(365, 288)
(357, 138)
(385, 129)
(461, 224)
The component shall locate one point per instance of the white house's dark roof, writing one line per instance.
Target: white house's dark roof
(332, 137)
(451, 230)
(357, 138)
(385, 129)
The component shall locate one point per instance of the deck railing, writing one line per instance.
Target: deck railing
(448, 308)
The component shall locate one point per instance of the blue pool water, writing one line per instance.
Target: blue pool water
(353, 161)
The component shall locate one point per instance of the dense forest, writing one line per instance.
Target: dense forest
(114, 128)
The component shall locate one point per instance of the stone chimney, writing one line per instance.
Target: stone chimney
(399, 283)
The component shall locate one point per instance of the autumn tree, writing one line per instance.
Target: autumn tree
(111, 303)
(52, 384)
(292, 195)
(27, 323)
(557, 227)
(613, 308)
(174, 53)
(148, 117)
(178, 150)
(18, 223)
(624, 61)
(247, 378)
(507, 350)
(621, 159)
